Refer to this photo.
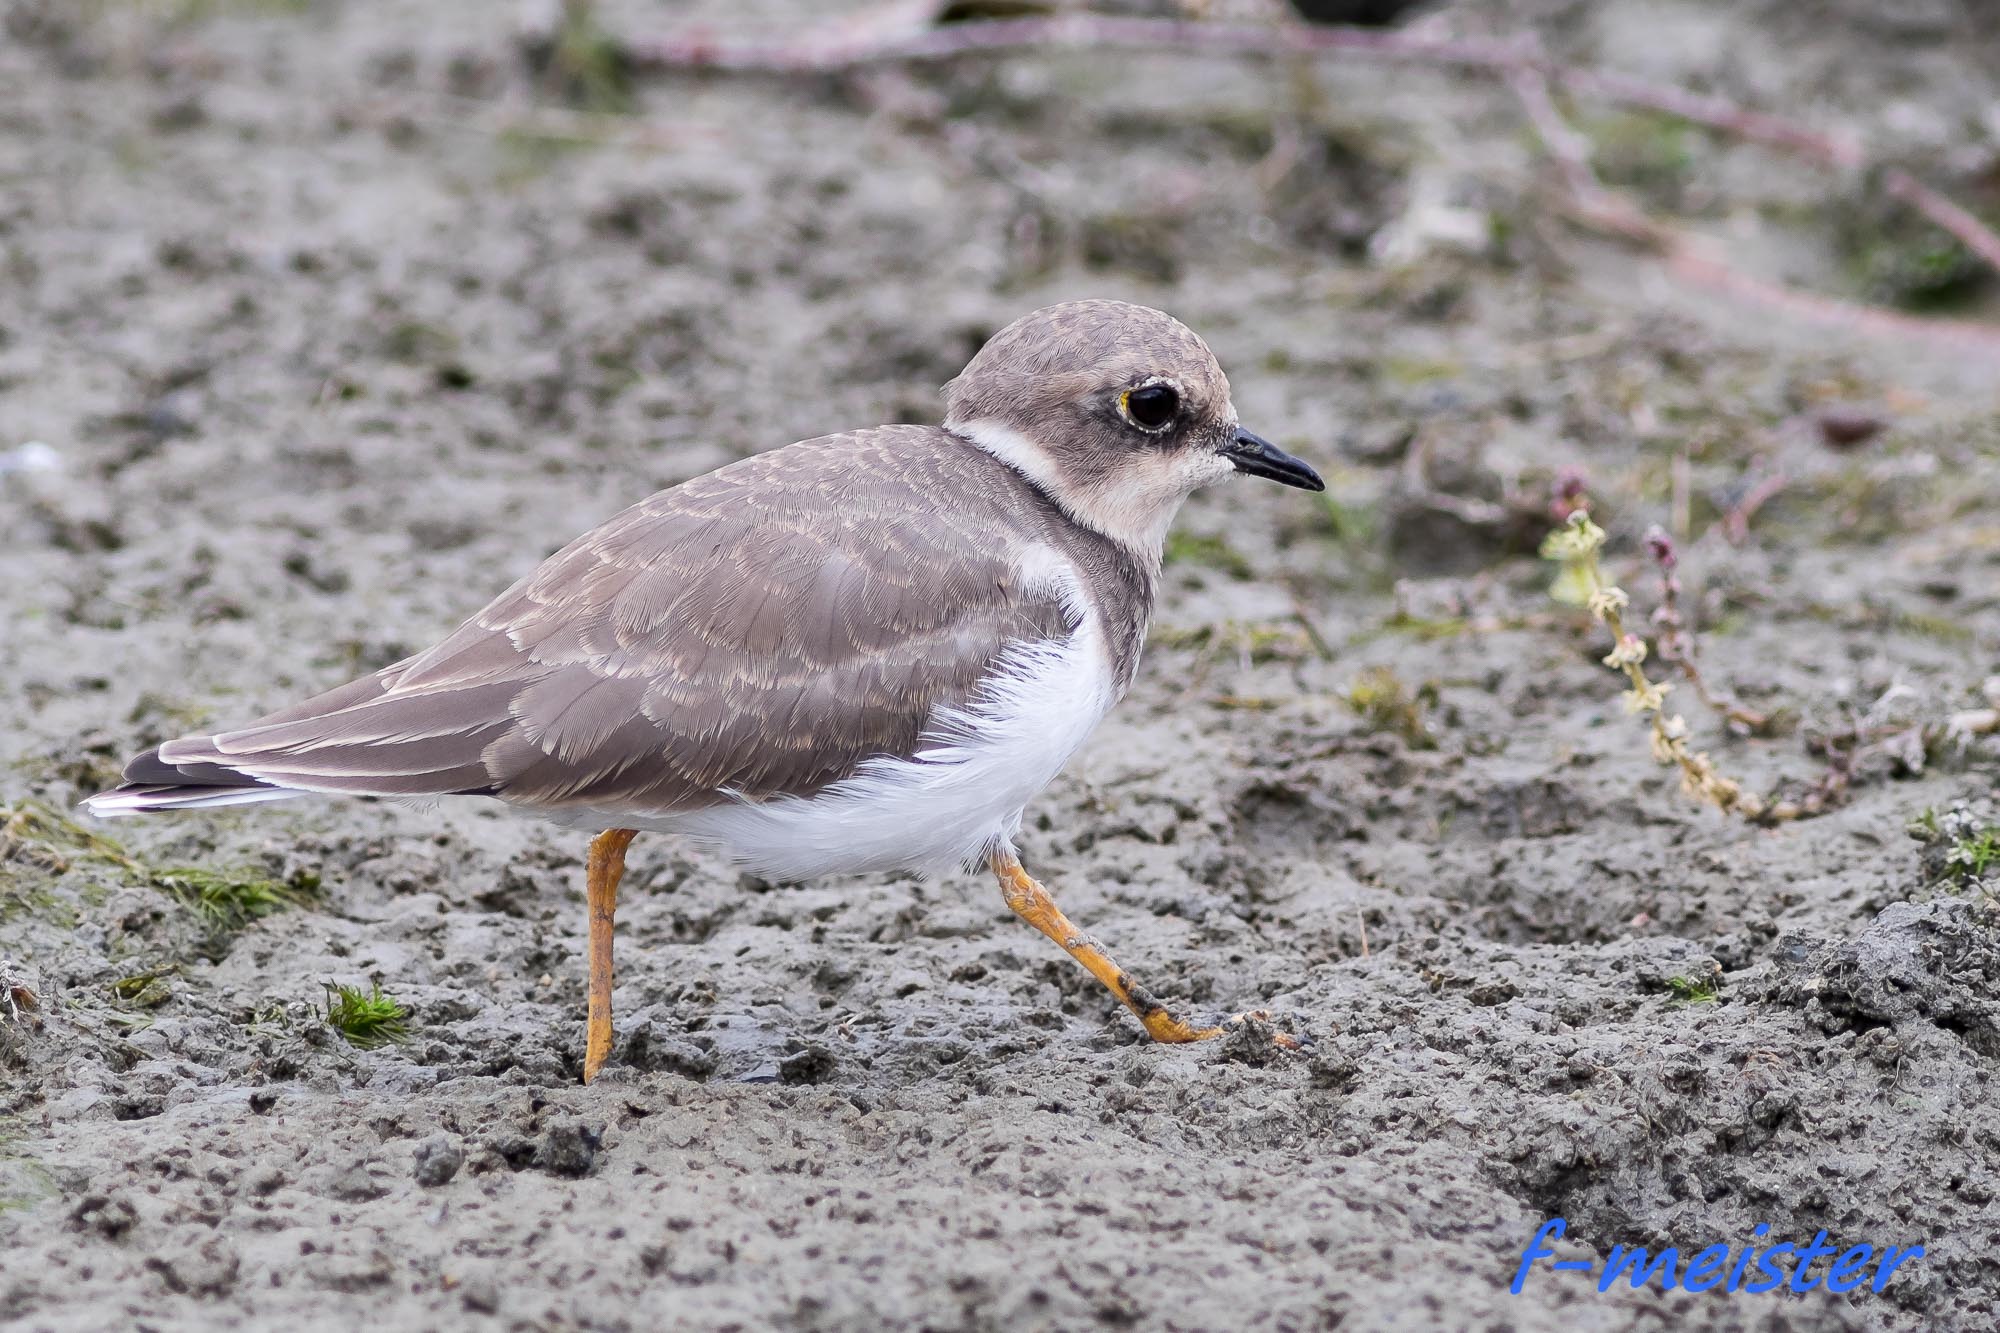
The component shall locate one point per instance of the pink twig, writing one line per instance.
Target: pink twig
(1717, 113)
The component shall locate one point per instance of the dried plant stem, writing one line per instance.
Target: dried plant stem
(1676, 641)
(1575, 546)
(1590, 204)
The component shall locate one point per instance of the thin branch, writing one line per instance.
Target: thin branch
(1589, 203)
(1716, 113)
(1890, 325)
(834, 51)
(1675, 640)
(842, 48)
(1973, 234)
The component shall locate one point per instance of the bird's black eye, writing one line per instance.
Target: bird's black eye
(1152, 406)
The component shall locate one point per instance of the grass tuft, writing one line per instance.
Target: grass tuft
(585, 64)
(37, 835)
(366, 1020)
(225, 901)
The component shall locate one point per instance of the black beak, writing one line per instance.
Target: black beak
(1260, 458)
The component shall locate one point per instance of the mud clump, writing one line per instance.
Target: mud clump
(438, 1159)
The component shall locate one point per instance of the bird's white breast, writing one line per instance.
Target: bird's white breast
(962, 794)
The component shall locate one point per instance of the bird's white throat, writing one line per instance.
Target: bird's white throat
(1135, 506)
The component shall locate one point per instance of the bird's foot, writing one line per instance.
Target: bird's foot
(1162, 1025)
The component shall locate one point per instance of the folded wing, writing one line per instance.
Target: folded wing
(759, 631)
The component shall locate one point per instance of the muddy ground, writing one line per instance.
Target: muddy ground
(330, 319)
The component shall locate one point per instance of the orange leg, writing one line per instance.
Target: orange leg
(1032, 903)
(606, 868)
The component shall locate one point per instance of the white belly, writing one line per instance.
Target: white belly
(958, 799)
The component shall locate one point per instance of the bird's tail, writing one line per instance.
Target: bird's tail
(151, 783)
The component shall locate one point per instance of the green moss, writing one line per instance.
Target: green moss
(1408, 370)
(1259, 642)
(1428, 628)
(37, 844)
(36, 836)
(1945, 629)
(527, 152)
(225, 901)
(195, 11)
(1353, 524)
(365, 1020)
(1917, 267)
(413, 341)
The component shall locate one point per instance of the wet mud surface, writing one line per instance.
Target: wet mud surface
(333, 319)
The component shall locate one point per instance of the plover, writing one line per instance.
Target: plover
(860, 653)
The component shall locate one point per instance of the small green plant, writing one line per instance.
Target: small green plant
(1385, 703)
(1972, 857)
(366, 1020)
(585, 64)
(1704, 989)
(1641, 150)
(1961, 850)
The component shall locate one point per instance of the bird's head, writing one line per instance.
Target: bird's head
(1117, 411)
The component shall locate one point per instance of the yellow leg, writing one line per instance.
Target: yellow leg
(606, 868)
(1032, 903)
